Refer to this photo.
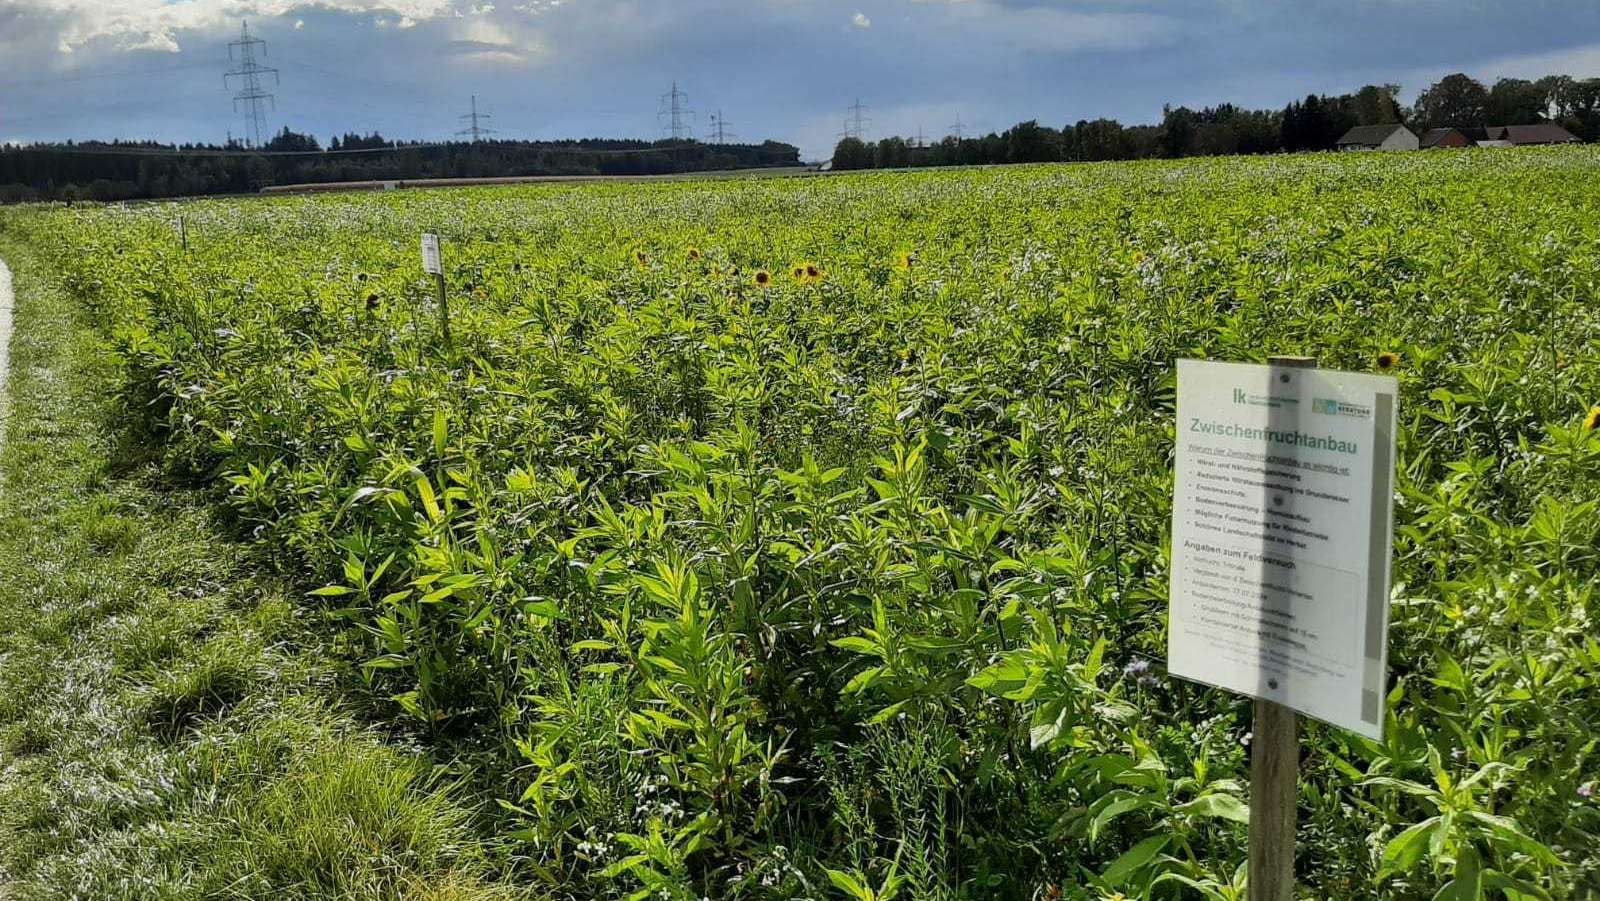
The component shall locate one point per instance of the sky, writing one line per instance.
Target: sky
(781, 69)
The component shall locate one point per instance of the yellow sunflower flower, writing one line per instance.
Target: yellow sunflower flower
(1592, 421)
(1388, 360)
(763, 277)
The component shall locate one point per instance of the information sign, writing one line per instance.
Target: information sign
(1281, 536)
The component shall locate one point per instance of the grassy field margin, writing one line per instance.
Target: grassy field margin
(166, 728)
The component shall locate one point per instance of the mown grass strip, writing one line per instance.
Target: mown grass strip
(165, 724)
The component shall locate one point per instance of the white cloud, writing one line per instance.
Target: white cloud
(482, 40)
(299, 24)
(157, 24)
(1580, 62)
(860, 20)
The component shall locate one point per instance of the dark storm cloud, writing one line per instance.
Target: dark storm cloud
(776, 68)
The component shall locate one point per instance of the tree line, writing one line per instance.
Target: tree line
(1315, 123)
(126, 170)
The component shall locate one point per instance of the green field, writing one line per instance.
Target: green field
(806, 538)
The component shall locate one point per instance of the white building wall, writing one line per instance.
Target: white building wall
(1402, 139)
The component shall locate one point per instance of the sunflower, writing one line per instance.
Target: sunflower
(812, 272)
(1592, 421)
(1388, 360)
(763, 277)
(905, 259)
(694, 253)
(799, 273)
(641, 259)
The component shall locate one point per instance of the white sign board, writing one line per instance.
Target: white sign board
(1281, 534)
(430, 254)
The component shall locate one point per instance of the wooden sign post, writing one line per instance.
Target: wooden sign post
(432, 262)
(1274, 777)
(1281, 538)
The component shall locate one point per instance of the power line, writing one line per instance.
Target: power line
(675, 109)
(856, 125)
(957, 129)
(546, 146)
(719, 128)
(475, 130)
(209, 151)
(251, 92)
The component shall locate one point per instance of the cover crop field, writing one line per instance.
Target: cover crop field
(806, 538)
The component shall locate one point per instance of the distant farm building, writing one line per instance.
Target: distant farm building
(1528, 135)
(1445, 137)
(1379, 137)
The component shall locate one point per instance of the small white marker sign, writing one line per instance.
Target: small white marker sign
(1282, 523)
(430, 254)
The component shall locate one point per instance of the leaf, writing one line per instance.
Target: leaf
(1207, 890)
(889, 712)
(1091, 664)
(1134, 859)
(546, 609)
(333, 591)
(1512, 886)
(366, 491)
(863, 680)
(850, 885)
(623, 865)
(1219, 805)
(1406, 849)
(441, 432)
(1468, 882)
(1507, 833)
(858, 644)
(1002, 678)
(1111, 811)
(430, 503)
(1045, 731)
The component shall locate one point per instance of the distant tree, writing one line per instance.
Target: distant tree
(1177, 131)
(1560, 92)
(1516, 101)
(1102, 139)
(1317, 123)
(1455, 101)
(1375, 104)
(852, 153)
(288, 141)
(892, 153)
(1576, 105)
(1030, 142)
